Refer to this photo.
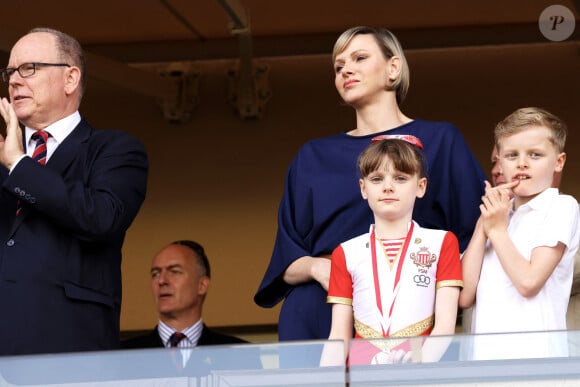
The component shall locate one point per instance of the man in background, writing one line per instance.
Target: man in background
(180, 279)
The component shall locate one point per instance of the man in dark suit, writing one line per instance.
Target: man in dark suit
(62, 225)
(180, 279)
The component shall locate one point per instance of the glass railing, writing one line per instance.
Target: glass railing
(544, 358)
(514, 359)
(290, 364)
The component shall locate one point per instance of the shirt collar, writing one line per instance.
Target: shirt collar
(541, 199)
(58, 130)
(193, 332)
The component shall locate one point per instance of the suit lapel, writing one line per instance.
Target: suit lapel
(155, 339)
(70, 147)
(206, 337)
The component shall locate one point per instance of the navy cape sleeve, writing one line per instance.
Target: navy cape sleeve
(321, 207)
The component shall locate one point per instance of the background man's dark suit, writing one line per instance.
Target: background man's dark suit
(60, 258)
(152, 340)
(204, 358)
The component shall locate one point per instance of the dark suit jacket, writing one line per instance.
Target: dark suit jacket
(210, 355)
(60, 258)
(153, 340)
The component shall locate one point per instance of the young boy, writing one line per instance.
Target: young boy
(399, 280)
(518, 266)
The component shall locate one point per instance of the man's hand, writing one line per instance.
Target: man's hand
(11, 148)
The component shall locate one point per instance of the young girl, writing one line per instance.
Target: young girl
(399, 279)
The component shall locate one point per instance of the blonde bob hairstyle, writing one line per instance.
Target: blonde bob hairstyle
(389, 45)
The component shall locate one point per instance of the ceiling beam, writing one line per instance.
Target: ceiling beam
(121, 74)
(236, 13)
(318, 44)
(183, 20)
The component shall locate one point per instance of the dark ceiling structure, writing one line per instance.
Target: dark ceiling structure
(118, 34)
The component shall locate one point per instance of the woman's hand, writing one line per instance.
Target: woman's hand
(321, 271)
(308, 268)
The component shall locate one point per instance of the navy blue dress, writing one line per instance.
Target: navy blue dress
(322, 207)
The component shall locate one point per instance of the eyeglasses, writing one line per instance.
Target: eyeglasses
(405, 137)
(27, 69)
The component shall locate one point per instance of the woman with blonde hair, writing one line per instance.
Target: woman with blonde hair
(322, 207)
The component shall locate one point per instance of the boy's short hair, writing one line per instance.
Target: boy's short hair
(406, 157)
(523, 118)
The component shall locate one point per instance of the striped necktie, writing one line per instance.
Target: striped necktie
(175, 339)
(176, 354)
(39, 153)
